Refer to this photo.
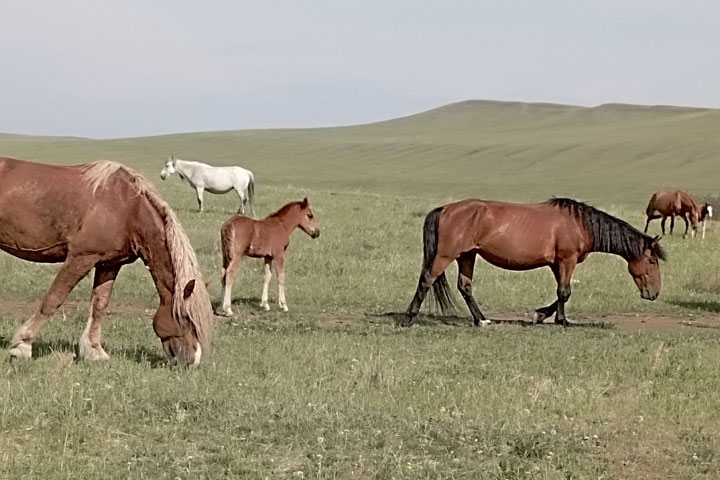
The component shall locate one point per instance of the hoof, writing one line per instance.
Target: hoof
(224, 312)
(93, 354)
(283, 307)
(265, 307)
(21, 351)
(538, 317)
(485, 323)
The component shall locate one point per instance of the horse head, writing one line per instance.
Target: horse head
(169, 168)
(645, 269)
(174, 325)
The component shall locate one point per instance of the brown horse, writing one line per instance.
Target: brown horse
(669, 204)
(267, 239)
(102, 215)
(559, 233)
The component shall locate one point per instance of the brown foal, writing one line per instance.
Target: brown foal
(665, 204)
(267, 239)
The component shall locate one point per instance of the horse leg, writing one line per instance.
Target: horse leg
(90, 347)
(544, 312)
(466, 265)
(687, 224)
(266, 284)
(427, 278)
(662, 225)
(199, 192)
(650, 217)
(228, 277)
(243, 200)
(672, 223)
(71, 272)
(280, 272)
(563, 274)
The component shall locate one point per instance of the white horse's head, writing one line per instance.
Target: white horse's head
(169, 168)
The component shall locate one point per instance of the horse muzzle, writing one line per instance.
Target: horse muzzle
(315, 233)
(648, 295)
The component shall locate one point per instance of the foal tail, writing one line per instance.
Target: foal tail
(441, 288)
(251, 193)
(227, 239)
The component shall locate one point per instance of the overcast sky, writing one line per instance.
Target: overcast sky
(139, 67)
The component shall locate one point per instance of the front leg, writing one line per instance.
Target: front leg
(199, 192)
(90, 347)
(687, 225)
(280, 270)
(544, 312)
(563, 271)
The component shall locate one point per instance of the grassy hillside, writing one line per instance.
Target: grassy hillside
(607, 154)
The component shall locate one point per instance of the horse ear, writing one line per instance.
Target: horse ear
(304, 203)
(189, 289)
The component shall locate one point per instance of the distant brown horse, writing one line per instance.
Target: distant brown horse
(102, 215)
(669, 204)
(267, 239)
(559, 233)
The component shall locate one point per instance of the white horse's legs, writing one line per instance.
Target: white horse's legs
(243, 200)
(280, 270)
(199, 192)
(266, 283)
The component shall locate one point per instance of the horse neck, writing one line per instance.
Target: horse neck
(153, 249)
(289, 220)
(185, 170)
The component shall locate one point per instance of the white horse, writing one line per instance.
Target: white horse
(214, 179)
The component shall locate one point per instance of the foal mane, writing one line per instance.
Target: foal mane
(184, 261)
(284, 209)
(610, 234)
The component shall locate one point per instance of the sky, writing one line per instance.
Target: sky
(108, 69)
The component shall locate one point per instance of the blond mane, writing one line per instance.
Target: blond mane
(184, 262)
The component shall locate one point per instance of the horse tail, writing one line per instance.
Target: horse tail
(251, 192)
(651, 205)
(227, 240)
(441, 288)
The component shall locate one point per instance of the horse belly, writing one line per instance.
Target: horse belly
(517, 253)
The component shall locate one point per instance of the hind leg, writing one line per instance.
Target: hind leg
(228, 277)
(544, 312)
(71, 272)
(650, 217)
(90, 347)
(243, 200)
(427, 278)
(466, 265)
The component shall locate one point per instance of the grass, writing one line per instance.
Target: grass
(334, 389)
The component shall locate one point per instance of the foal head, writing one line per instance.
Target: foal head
(307, 221)
(706, 211)
(169, 168)
(645, 269)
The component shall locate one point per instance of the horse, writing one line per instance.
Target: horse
(267, 239)
(102, 215)
(669, 204)
(559, 233)
(201, 177)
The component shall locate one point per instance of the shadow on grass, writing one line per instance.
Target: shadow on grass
(400, 319)
(137, 353)
(713, 307)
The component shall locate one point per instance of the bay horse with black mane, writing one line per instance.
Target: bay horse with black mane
(268, 239)
(665, 204)
(559, 234)
(102, 215)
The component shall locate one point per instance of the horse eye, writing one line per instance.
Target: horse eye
(310, 215)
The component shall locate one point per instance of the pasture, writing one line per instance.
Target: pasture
(333, 388)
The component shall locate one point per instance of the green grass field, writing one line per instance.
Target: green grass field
(333, 389)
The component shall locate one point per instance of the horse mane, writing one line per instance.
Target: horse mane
(284, 209)
(610, 234)
(184, 261)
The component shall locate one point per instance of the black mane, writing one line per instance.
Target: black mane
(610, 234)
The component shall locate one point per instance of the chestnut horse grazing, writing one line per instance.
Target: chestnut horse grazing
(102, 215)
(268, 239)
(559, 233)
(669, 204)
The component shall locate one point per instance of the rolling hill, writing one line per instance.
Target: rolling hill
(609, 154)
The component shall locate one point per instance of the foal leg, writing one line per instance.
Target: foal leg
(466, 265)
(228, 277)
(266, 284)
(427, 278)
(199, 193)
(280, 272)
(71, 272)
(90, 347)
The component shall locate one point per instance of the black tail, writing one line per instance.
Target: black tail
(441, 288)
(251, 193)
